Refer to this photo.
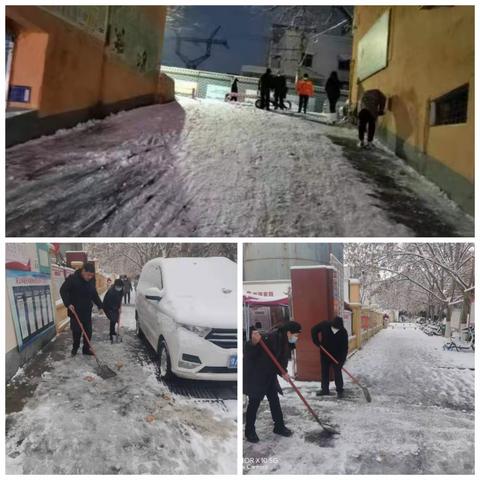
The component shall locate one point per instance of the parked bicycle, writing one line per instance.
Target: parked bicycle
(286, 103)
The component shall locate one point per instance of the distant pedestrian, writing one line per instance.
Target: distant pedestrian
(112, 303)
(78, 293)
(332, 87)
(280, 91)
(127, 288)
(372, 104)
(265, 84)
(234, 90)
(304, 89)
(260, 375)
(334, 338)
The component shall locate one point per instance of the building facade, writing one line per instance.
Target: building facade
(294, 51)
(66, 64)
(422, 59)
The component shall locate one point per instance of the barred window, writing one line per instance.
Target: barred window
(451, 108)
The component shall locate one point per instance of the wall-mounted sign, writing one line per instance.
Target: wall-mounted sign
(21, 256)
(19, 93)
(372, 50)
(31, 304)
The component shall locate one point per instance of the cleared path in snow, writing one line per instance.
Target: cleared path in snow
(63, 419)
(205, 168)
(421, 419)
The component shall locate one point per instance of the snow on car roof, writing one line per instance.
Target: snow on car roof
(199, 275)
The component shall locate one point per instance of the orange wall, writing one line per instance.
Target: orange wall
(77, 74)
(28, 65)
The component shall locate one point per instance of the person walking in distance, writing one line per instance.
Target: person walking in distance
(372, 104)
(265, 84)
(332, 87)
(305, 90)
(280, 91)
(127, 288)
(78, 293)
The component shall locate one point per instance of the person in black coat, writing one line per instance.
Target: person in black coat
(334, 338)
(280, 91)
(127, 288)
(78, 294)
(260, 375)
(112, 303)
(332, 87)
(234, 90)
(265, 84)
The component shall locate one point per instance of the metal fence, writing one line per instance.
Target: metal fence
(215, 86)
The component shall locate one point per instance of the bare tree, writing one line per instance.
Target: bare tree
(129, 258)
(430, 276)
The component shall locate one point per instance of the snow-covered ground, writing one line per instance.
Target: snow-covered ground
(78, 423)
(420, 421)
(207, 168)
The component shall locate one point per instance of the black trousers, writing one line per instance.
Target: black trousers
(113, 317)
(333, 103)
(366, 121)
(265, 98)
(275, 409)
(302, 103)
(77, 333)
(126, 297)
(278, 99)
(326, 363)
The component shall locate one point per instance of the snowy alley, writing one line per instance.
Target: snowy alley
(64, 419)
(420, 421)
(207, 168)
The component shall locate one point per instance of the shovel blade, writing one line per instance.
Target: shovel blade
(368, 398)
(106, 372)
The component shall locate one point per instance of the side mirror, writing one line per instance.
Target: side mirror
(154, 294)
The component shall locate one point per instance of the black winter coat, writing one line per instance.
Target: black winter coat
(266, 82)
(81, 294)
(281, 85)
(234, 88)
(334, 343)
(112, 301)
(259, 372)
(332, 87)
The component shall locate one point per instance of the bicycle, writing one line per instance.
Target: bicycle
(271, 103)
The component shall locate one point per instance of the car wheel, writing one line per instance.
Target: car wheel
(138, 330)
(164, 363)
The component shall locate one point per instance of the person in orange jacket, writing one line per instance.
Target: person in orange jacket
(304, 89)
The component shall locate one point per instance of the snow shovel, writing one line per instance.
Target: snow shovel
(365, 391)
(119, 336)
(325, 426)
(104, 371)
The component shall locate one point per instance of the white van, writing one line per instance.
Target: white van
(186, 308)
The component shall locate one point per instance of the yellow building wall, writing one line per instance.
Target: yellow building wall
(431, 52)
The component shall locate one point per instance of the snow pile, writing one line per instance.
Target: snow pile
(421, 419)
(78, 423)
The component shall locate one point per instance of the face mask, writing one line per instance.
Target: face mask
(118, 289)
(292, 339)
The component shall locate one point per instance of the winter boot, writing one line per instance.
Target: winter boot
(74, 351)
(252, 437)
(282, 430)
(361, 144)
(111, 338)
(321, 393)
(340, 394)
(369, 146)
